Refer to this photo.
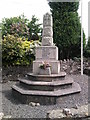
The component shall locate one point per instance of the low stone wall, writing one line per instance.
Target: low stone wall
(74, 66)
(69, 66)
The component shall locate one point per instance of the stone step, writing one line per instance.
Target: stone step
(43, 97)
(46, 78)
(46, 86)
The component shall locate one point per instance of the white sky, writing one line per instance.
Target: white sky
(12, 8)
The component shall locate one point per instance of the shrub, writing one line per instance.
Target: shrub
(16, 26)
(87, 49)
(16, 51)
(35, 29)
(20, 26)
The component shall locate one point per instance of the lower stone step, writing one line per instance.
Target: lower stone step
(46, 86)
(43, 97)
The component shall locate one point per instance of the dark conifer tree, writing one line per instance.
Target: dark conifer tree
(66, 28)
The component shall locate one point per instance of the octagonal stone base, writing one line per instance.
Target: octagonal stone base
(44, 89)
(42, 97)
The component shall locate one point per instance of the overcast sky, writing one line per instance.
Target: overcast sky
(12, 8)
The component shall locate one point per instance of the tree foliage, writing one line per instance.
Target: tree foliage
(16, 26)
(17, 47)
(67, 28)
(21, 27)
(34, 28)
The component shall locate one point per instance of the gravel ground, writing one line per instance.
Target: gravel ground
(11, 106)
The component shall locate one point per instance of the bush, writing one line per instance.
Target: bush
(20, 26)
(16, 26)
(87, 49)
(87, 53)
(16, 51)
(35, 29)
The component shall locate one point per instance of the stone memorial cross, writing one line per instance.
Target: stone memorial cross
(47, 52)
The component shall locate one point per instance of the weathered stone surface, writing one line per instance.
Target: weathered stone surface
(47, 41)
(46, 78)
(37, 104)
(46, 71)
(75, 113)
(46, 86)
(47, 20)
(55, 66)
(43, 97)
(26, 99)
(47, 35)
(56, 114)
(32, 104)
(66, 111)
(47, 32)
(47, 53)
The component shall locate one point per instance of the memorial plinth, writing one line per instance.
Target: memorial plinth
(47, 83)
(47, 52)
